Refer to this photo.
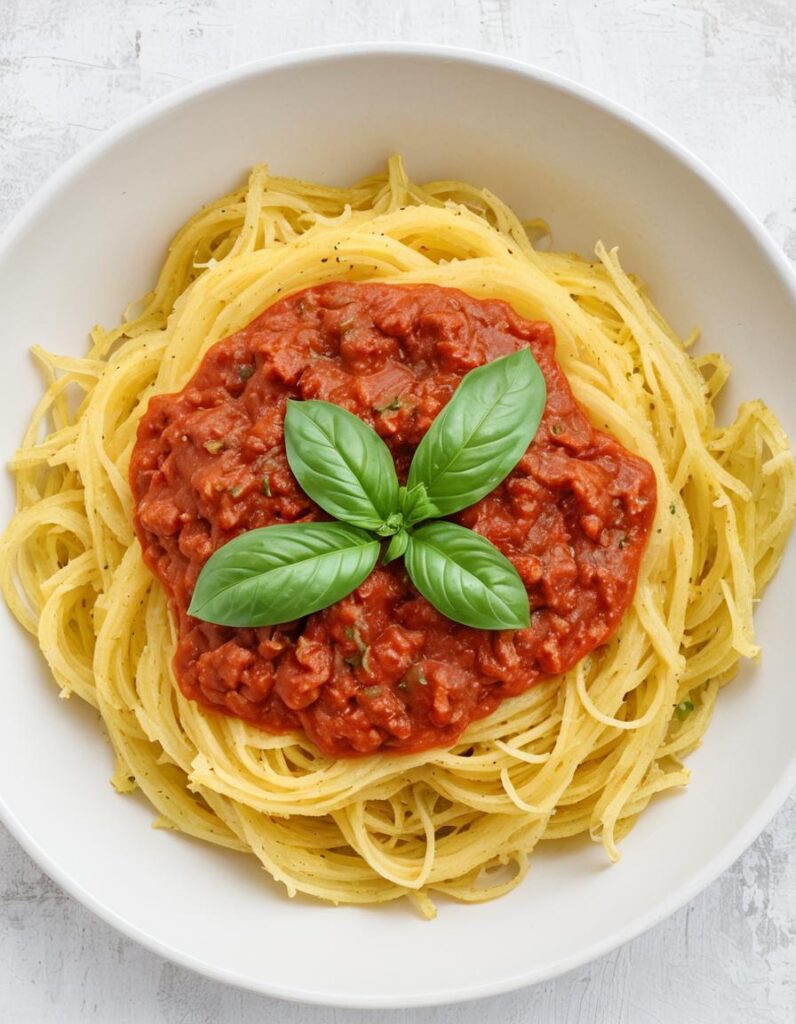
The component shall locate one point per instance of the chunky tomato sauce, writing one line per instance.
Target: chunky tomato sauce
(382, 669)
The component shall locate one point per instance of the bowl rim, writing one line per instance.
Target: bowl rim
(779, 792)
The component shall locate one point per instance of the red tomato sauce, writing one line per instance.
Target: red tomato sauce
(382, 670)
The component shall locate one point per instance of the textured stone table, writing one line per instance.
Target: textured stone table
(719, 76)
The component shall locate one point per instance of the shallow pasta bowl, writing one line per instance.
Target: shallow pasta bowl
(95, 237)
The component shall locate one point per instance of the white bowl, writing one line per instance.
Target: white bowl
(94, 238)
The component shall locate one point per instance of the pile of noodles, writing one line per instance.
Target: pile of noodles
(583, 753)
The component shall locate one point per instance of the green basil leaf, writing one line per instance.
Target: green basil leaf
(280, 573)
(415, 505)
(397, 546)
(342, 464)
(466, 578)
(481, 434)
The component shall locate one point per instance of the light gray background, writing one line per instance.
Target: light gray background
(719, 76)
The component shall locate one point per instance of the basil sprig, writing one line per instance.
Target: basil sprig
(279, 573)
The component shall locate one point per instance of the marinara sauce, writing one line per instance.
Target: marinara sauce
(382, 670)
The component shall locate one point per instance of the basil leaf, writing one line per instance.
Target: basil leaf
(397, 546)
(481, 434)
(280, 573)
(342, 464)
(466, 578)
(415, 505)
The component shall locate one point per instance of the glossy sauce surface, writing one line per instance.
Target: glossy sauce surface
(382, 669)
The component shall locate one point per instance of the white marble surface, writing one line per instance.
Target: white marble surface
(719, 76)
